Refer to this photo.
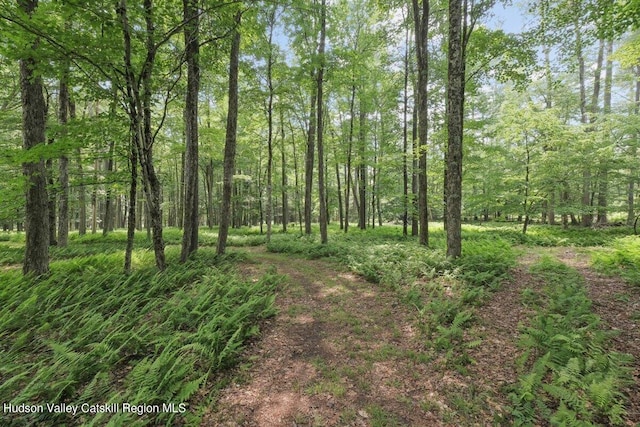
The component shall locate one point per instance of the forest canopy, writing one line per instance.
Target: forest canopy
(162, 114)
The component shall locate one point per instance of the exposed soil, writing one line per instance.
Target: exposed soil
(341, 351)
(345, 352)
(618, 305)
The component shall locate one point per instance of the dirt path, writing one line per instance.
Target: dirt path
(345, 352)
(618, 305)
(340, 352)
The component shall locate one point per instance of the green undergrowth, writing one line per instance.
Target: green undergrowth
(553, 235)
(622, 259)
(443, 292)
(12, 249)
(569, 378)
(89, 334)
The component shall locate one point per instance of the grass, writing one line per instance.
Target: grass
(89, 334)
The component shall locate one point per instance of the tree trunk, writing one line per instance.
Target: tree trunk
(285, 196)
(421, 22)
(348, 184)
(139, 93)
(405, 138)
(63, 179)
(107, 218)
(455, 126)
(339, 184)
(321, 159)
(414, 174)
(269, 210)
(191, 202)
(82, 192)
(603, 178)
(230, 140)
(362, 166)
(36, 259)
(133, 192)
(632, 173)
(209, 183)
(587, 216)
(308, 181)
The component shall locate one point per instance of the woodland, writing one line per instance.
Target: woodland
(184, 185)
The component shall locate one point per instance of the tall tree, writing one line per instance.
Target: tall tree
(421, 23)
(321, 160)
(192, 46)
(36, 258)
(230, 140)
(455, 124)
(269, 211)
(139, 100)
(63, 179)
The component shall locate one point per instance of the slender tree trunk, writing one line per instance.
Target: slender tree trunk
(139, 93)
(209, 184)
(321, 160)
(603, 178)
(414, 174)
(309, 158)
(94, 198)
(191, 170)
(269, 210)
(133, 191)
(455, 125)
(405, 138)
(53, 234)
(421, 21)
(296, 179)
(82, 191)
(36, 258)
(338, 183)
(633, 173)
(107, 219)
(587, 216)
(348, 184)
(63, 179)
(362, 165)
(230, 140)
(285, 196)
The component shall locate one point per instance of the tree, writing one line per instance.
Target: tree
(191, 206)
(36, 257)
(230, 140)
(321, 170)
(458, 38)
(421, 23)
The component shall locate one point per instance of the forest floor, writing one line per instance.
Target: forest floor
(345, 352)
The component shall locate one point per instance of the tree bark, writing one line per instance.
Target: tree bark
(36, 259)
(138, 95)
(405, 138)
(587, 216)
(321, 160)
(133, 191)
(285, 195)
(362, 166)
(191, 202)
(63, 179)
(421, 23)
(632, 173)
(309, 160)
(455, 127)
(269, 209)
(348, 179)
(230, 140)
(603, 176)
